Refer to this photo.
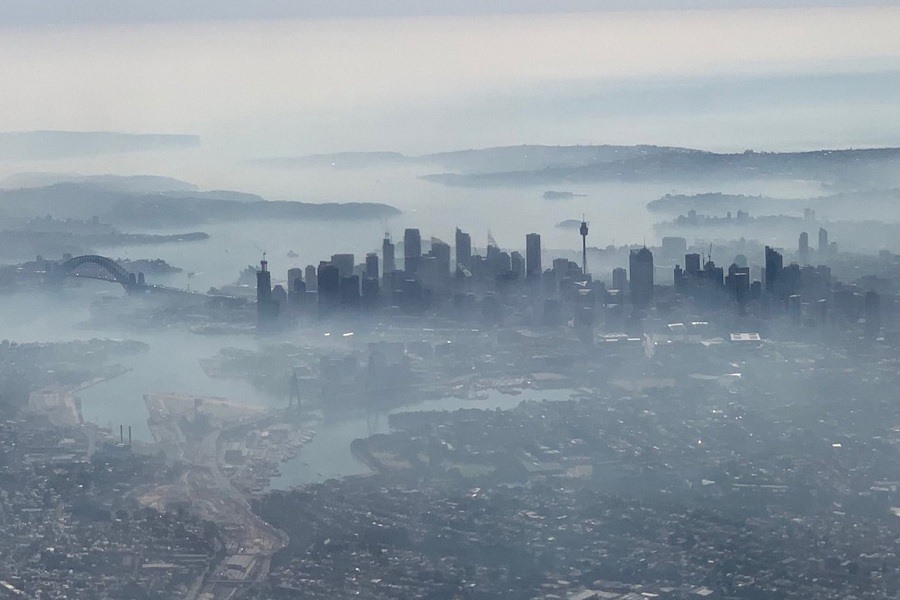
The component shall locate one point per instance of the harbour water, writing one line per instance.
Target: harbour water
(328, 455)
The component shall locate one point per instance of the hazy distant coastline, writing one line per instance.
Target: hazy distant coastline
(541, 165)
(122, 183)
(870, 166)
(76, 200)
(871, 201)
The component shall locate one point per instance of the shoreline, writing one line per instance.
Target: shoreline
(61, 405)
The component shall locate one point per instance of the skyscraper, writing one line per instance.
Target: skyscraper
(738, 284)
(823, 242)
(263, 282)
(387, 255)
(266, 307)
(441, 252)
(774, 266)
(412, 250)
(372, 265)
(619, 278)
(434, 267)
(463, 250)
(295, 276)
(640, 266)
(296, 288)
(312, 280)
(517, 264)
(329, 286)
(533, 256)
(583, 230)
(803, 247)
(344, 263)
(692, 263)
(348, 290)
(370, 291)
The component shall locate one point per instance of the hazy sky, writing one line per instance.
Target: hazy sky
(295, 84)
(44, 12)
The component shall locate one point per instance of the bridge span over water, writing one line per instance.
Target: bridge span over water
(112, 271)
(58, 271)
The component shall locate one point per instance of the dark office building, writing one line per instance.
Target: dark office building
(463, 250)
(517, 264)
(695, 280)
(640, 267)
(692, 263)
(266, 307)
(312, 279)
(428, 272)
(738, 283)
(370, 292)
(387, 255)
(329, 287)
(713, 275)
(344, 263)
(497, 261)
(263, 283)
(371, 265)
(774, 266)
(679, 278)
(533, 256)
(412, 250)
(441, 253)
(789, 281)
(349, 291)
(409, 295)
(294, 274)
(619, 278)
(279, 296)
(823, 242)
(803, 247)
(296, 287)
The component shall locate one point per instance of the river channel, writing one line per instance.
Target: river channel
(328, 455)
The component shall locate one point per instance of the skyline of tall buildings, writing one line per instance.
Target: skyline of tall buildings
(339, 283)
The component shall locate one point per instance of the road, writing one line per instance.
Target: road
(249, 542)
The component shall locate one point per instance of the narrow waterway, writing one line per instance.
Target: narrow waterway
(328, 455)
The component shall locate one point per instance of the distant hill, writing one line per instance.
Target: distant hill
(41, 145)
(859, 205)
(486, 160)
(527, 158)
(666, 164)
(534, 165)
(222, 195)
(121, 183)
(83, 201)
(872, 167)
(338, 160)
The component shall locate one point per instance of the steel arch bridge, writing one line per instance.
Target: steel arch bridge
(128, 280)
